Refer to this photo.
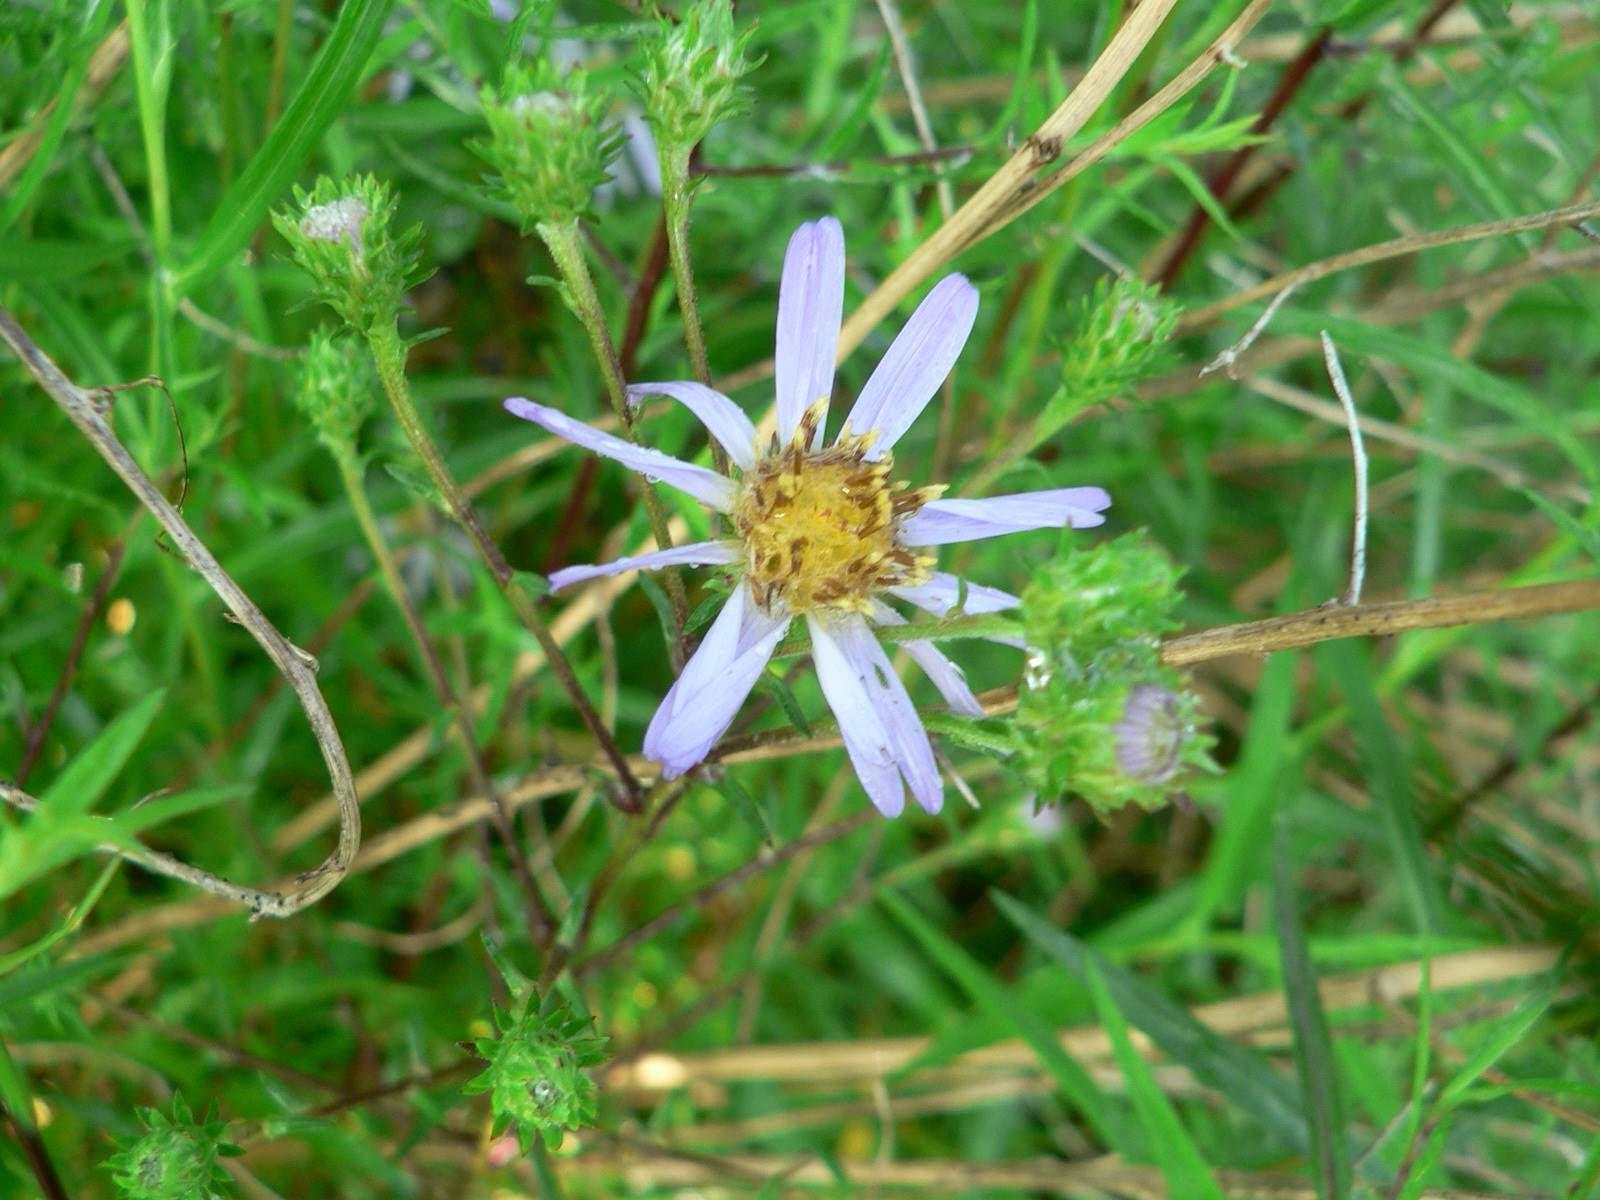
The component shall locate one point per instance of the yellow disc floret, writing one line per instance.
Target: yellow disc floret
(819, 526)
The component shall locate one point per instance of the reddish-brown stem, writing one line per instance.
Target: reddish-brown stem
(69, 670)
(1222, 180)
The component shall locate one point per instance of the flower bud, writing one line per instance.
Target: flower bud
(538, 1075)
(339, 234)
(335, 389)
(548, 142)
(175, 1159)
(1099, 716)
(691, 74)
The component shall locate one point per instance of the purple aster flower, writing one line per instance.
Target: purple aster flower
(822, 532)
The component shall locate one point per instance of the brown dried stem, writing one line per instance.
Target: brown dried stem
(1027, 178)
(84, 409)
(1570, 214)
(1315, 625)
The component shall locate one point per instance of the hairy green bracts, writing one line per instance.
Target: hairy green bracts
(340, 235)
(175, 1159)
(548, 142)
(1099, 716)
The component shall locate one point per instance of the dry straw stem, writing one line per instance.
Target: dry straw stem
(1380, 430)
(1027, 176)
(871, 1058)
(261, 902)
(108, 59)
(84, 409)
(1570, 214)
(1381, 620)
(645, 1166)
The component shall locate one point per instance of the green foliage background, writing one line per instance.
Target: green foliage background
(1425, 809)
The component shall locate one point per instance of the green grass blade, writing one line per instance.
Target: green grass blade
(1313, 1049)
(1505, 1038)
(1247, 1080)
(1386, 772)
(77, 789)
(66, 100)
(1180, 1160)
(1251, 791)
(1079, 1090)
(336, 70)
(10, 962)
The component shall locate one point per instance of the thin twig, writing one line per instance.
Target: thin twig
(261, 903)
(187, 308)
(104, 64)
(1399, 435)
(1229, 357)
(906, 65)
(606, 955)
(838, 166)
(1381, 620)
(83, 408)
(1570, 214)
(1027, 178)
(389, 354)
(27, 1137)
(1252, 637)
(1290, 82)
(1358, 455)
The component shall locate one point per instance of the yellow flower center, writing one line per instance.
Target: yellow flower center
(819, 527)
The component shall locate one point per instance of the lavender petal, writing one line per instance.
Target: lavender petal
(943, 590)
(713, 490)
(701, 705)
(940, 522)
(917, 362)
(946, 676)
(810, 308)
(695, 554)
(882, 733)
(723, 419)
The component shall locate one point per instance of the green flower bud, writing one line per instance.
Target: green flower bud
(175, 1159)
(691, 74)
(538, 1076)
(1099, 716)
(336, 389)
(548, 142)
(339, 234)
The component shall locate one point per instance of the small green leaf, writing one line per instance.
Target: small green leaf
(659, 602)
(1506, 1037)
(77, 789)
(531, 582)
(780, 691)
(746, 806)
(178, 804)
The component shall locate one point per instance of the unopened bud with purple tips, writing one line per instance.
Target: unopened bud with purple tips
(1151, 734)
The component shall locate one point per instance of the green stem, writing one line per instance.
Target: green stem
(566, 247)
(389, 353)
(540, 919)
(675, 202)
(151, 95)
